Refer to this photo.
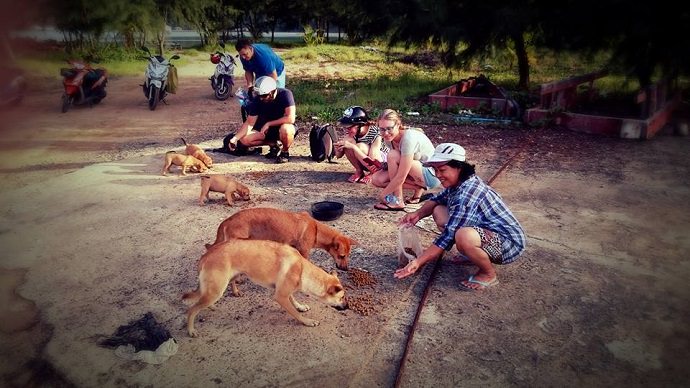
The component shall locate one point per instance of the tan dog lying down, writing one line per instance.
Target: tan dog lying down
(197, 152)
(222, 184)
(186, 162)
(269, 264)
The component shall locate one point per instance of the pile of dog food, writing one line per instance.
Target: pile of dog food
(362, 305)
(360, 277)
(358, 300)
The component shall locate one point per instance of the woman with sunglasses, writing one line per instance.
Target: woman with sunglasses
(362, 145)
(409, 147)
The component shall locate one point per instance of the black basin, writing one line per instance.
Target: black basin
(327, 210)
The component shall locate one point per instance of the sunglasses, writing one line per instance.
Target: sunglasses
(265, 96)
(389, 129)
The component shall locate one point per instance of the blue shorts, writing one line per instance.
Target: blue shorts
(280, 82)
(430, 179)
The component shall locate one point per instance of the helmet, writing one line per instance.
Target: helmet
(264, 85)
(354, 115)
(215, 58)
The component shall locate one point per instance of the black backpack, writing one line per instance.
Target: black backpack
(322, 141)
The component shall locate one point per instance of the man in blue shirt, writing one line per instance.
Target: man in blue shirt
(471, 216)
(259, 60)
(271, 119)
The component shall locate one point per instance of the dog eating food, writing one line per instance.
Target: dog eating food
(197, 152)
(186, 163)
(222, 184)
(269, 264)
(299, 230)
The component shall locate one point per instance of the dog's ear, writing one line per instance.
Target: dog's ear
(332, 290)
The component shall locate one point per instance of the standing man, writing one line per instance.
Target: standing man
(259, 60)
(271, 118)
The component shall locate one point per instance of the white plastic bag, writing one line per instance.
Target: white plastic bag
(409, 246)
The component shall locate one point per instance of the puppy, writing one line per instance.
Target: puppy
(186, 162)
(269, 264)
(197, 152)
(222, 184)
(299, 230)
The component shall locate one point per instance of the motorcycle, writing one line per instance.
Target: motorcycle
(156, 79)
(243, 99)
(221, 81)
(83, 84)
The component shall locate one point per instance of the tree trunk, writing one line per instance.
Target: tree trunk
(523, 60)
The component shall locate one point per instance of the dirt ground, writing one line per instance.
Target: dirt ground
(93, 237)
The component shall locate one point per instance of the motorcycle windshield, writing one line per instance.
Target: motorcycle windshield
(157, 70)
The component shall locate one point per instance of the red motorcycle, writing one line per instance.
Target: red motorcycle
(83, 84)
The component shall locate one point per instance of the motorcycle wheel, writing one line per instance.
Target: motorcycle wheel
(67, 101)
(223, 91)
(154, 93)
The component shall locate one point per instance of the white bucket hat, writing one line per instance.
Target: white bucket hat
(444, 153)
(264, 85)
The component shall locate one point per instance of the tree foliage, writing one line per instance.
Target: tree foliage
(646, 38)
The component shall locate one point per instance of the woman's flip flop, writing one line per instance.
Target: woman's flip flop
(365, 179)
(354, 178)
(386, 207)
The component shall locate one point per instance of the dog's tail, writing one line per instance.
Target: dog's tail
(192, 295)
(184, 141)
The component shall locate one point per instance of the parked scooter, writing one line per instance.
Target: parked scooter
(221, 81)
(243, 98)
(83, 84)
(156, 79)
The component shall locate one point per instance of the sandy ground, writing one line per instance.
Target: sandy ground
(94, 237)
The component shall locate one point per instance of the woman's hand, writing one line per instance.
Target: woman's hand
(409, 219)
(408, 270)
(343, 144)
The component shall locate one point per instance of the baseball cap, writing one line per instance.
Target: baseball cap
(446, 152)
(264, 85)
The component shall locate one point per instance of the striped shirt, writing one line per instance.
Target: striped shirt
(474, 203)
(370, 136)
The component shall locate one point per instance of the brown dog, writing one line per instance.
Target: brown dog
(269, 264)
(222, 184)
(186, 162)
(197, 152)
(299, 230)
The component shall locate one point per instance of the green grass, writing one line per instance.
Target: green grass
(373, 76)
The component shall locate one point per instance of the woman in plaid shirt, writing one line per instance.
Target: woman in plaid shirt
(471, 216)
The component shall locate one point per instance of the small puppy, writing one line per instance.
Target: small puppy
(269, 264)
(186, 162)
(197, 152)
(222, 184)
(299, 230)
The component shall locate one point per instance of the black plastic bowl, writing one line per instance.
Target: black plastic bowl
(327, 210)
